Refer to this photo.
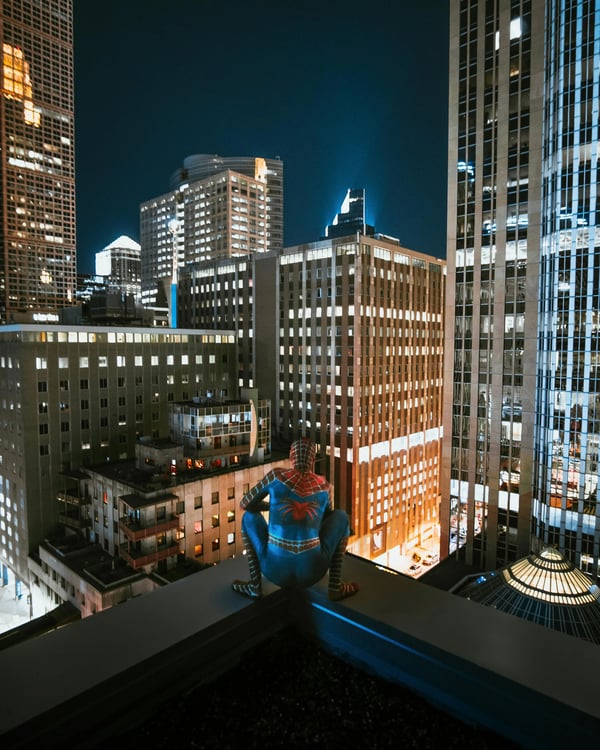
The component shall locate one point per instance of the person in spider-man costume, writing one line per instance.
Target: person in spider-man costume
(304, 537)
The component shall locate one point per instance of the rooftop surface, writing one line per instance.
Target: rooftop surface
(290, 692)
(152, 479)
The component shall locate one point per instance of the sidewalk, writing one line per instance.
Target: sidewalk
(15, 612)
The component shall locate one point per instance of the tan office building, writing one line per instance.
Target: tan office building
(360, 356)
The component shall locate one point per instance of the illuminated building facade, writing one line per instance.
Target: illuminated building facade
(120, 266)
(235, 294)
(523, 346)
(344, 338)
(360, 366)
(38, 266)
(74, 396)
(268, 170)
(217, 208)
(178, 498)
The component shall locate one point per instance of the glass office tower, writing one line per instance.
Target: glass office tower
(520, 465)
(38, 268)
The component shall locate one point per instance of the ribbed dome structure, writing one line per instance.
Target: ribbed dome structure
(545, 588)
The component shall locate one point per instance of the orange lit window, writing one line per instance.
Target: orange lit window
(16, 82)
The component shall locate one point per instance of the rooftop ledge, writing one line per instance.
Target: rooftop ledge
(84, 682)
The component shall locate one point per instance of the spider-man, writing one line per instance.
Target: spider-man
(304, 537)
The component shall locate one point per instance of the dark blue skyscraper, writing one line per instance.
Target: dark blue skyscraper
(351, 217)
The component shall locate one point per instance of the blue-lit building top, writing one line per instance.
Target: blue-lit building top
(351, 217)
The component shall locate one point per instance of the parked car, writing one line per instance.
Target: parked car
(430, 559)
(414, 569)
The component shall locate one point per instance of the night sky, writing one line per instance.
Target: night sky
(349, 94)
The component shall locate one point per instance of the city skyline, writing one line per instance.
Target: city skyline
(319, 91)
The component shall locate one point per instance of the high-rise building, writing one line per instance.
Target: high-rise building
(217, 208)
(268, 170)
(351, 217)
(359, 357)
(120, 266)
(236, 294)
(522, 427)
(38, 265)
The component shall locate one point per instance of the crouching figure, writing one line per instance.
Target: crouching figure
(305, 535)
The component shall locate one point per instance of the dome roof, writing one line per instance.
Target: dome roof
(545, 588)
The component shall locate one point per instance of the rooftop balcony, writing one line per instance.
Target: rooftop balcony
(74, 520)
(138, 560)
(533, 686)
(135, 531)
(73, 499)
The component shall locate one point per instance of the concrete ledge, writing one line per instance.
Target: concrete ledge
(530, 684)
(92, 679)
(99, 676)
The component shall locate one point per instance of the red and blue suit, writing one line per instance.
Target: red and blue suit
(303, 534)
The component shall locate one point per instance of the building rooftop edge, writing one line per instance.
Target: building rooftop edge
(379, 238)
(483, 666)
(15, 327)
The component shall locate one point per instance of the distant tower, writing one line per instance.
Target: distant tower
(270, 171)
(38, 268)
(217, 208)
(351, 217)
(120, 266)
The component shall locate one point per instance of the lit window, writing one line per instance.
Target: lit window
(16, 82)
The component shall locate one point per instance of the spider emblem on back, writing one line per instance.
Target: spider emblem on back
(298, 510)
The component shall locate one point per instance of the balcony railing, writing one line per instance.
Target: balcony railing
(136, 531)
(68, 497)
(74, 520)
(139, 560)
